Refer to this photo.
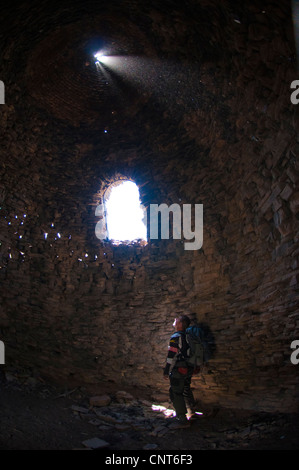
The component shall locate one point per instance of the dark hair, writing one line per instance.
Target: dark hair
(185, 320)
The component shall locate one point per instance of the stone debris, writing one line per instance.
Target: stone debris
(127, 415)
(160, 397)
(124, 397)
(95, 422)
(129, 422)
(79, 409)
(102, 400)
(159, 430)
(150, 447)
(122, 427)
(95, 443)
(108, 418)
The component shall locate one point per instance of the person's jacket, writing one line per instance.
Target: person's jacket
(177, 351)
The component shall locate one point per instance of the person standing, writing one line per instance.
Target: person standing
(179, 374)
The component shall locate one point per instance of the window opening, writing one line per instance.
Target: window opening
(125, 215)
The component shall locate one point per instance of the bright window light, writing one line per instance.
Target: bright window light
(101, 58)
(98, 56)
(125, 216)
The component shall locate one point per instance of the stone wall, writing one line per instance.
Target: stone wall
(78, 310)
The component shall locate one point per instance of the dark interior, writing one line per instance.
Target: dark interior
(197, 110)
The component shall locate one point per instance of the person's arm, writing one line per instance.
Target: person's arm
(173, 350)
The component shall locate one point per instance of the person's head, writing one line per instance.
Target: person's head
(182, 322)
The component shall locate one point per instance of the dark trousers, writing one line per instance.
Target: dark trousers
(180, 393)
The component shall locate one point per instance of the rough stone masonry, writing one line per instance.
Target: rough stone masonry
(213, 124)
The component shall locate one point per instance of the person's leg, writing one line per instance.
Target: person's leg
(176, 395)
(188, 397)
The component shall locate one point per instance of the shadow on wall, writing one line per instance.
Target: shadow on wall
(208, 337)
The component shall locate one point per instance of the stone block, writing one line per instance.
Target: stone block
(102, 400)
(95, 443)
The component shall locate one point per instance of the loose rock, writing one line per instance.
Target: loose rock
(95, 443)
(103, 400)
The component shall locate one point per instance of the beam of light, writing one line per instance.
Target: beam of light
(101, 69)
(124, 214)
(102, 58)
(131, 67)
(106, 59)
(167, 81)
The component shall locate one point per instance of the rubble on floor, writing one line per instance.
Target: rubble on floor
(121, 421)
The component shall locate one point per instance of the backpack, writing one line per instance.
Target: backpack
(199, 351)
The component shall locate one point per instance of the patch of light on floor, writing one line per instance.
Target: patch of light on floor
(168, 412)
(162, 409)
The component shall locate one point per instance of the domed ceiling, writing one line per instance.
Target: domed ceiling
(160, 49)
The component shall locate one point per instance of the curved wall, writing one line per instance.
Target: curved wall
(211, 124)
